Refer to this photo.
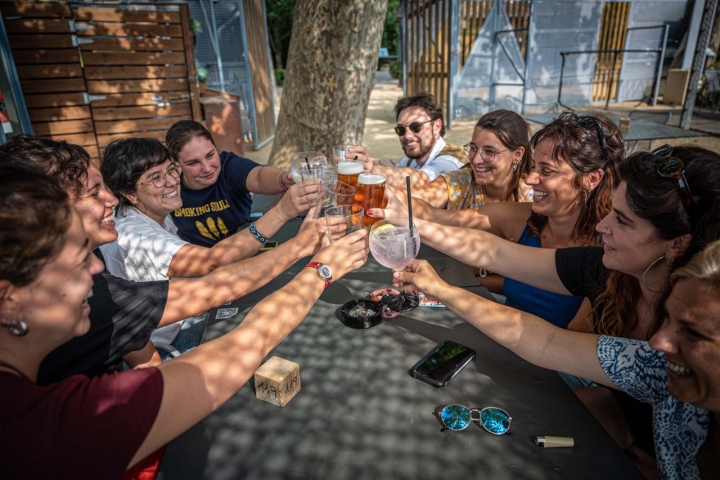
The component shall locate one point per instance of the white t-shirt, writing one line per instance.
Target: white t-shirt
(435, 164)
(143, 252)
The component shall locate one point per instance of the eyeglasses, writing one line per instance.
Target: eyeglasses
(160, 178)
(486, 154)
(587, 122)
(458, 417)
(673, 168)
(414, 127)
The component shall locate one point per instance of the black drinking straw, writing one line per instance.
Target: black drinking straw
(410, 218)
(409, 195)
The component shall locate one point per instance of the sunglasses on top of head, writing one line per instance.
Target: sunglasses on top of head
(674, 169)
(414, 127)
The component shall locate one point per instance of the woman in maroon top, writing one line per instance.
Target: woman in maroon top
(98, 428)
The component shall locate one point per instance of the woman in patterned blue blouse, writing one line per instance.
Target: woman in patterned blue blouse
(677, 371)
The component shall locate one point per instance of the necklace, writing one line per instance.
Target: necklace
(7, 365)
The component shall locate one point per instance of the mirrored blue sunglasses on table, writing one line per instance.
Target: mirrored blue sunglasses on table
(458, 417)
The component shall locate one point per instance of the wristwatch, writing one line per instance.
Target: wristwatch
(323, 271)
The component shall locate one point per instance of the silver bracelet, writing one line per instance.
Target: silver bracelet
(258, 236)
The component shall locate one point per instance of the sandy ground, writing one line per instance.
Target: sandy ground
(383, 144)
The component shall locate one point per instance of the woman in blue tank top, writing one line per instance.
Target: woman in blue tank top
(574, 171)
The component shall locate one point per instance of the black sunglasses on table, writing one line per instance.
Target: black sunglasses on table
(414, 127)
(673, 168)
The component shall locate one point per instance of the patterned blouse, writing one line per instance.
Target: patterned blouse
(465, 193)
(679, 428)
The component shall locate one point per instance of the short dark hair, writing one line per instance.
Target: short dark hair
(64, 161)
(182, 132)
(581, 149)
(427, 102)
(125, 161)
(35, 215)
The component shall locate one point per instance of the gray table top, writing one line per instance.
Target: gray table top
(359, 415)
(639, 129)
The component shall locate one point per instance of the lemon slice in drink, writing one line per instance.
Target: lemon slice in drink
(385, 230)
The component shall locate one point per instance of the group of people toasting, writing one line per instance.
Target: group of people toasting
(610, 266)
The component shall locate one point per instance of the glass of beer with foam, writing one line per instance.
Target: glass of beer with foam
(348, 171)
(370, 193)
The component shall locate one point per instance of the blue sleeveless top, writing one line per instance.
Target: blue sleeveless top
(556, 309)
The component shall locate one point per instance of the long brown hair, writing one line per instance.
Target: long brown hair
(656, 199)
(581, 148)
(513, 132)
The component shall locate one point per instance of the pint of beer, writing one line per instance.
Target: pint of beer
(348, 171)
(370, 193)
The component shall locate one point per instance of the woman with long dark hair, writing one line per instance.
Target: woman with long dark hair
(99, 427)
(575, 167)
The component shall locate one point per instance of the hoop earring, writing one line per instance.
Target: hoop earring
(646, 271)
(13, 327)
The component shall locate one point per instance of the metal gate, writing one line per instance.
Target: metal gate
(426, 54)
(91, 73)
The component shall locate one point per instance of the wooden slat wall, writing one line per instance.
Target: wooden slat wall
(427, 36)
(50, 71)
(143, 65)
(613, 30)
(256, 35)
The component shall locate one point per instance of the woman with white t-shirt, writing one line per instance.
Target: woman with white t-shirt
(146, 180)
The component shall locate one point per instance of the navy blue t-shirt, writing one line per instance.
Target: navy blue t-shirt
(216, 212)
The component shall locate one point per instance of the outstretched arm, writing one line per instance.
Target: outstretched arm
(201, 380)
(192, 296)
(532, 338)
(534, 266)
(196, 261)
(505, 219)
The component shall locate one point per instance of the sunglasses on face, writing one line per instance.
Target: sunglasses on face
(673, 168)
(458, 417)
(414, 127)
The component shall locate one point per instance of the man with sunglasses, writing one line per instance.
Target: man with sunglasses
(420, 127)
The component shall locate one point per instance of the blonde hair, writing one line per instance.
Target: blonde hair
(704, 267)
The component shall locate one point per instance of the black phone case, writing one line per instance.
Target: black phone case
(457, 369)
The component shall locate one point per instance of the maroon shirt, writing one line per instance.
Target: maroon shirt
(78, 428)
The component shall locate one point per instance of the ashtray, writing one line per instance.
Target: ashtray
(361, 314)
(383, 296)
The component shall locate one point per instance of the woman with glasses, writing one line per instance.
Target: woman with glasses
(574, 169)
(146, 181)
(101, 427)
(651, 232)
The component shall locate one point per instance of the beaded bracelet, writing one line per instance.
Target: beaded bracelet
(258, 236)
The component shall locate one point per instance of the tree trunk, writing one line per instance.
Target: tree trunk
(330, 72)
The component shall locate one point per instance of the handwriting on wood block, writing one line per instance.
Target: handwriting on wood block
(277, 381)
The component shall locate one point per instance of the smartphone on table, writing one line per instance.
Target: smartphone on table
(442, 363)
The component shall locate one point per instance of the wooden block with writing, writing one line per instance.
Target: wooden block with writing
(277, 381)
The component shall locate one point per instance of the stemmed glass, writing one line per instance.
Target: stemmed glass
(394, 244)
(308, 166)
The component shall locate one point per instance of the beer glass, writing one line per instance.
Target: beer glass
(308, 166)
(370, 193)
(348, 171)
